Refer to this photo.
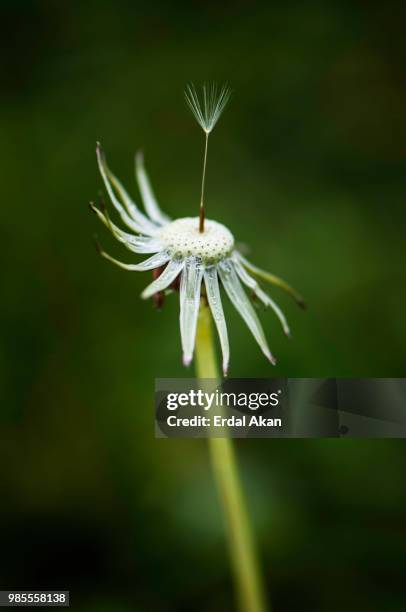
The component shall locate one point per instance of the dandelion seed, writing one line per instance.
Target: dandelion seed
(207, 112)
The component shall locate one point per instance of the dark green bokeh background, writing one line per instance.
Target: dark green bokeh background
(307, 168)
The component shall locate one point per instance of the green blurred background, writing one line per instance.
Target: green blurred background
(307, 168)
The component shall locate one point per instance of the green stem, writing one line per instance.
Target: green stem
(243, 555)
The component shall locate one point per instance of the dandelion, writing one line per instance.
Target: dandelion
(198, 256)
(201, 260)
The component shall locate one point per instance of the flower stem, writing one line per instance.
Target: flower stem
(243, 555)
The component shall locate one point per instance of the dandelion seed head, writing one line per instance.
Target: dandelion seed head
(208, 107)
(183, 239)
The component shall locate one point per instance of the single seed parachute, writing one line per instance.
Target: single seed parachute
(207, 111)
